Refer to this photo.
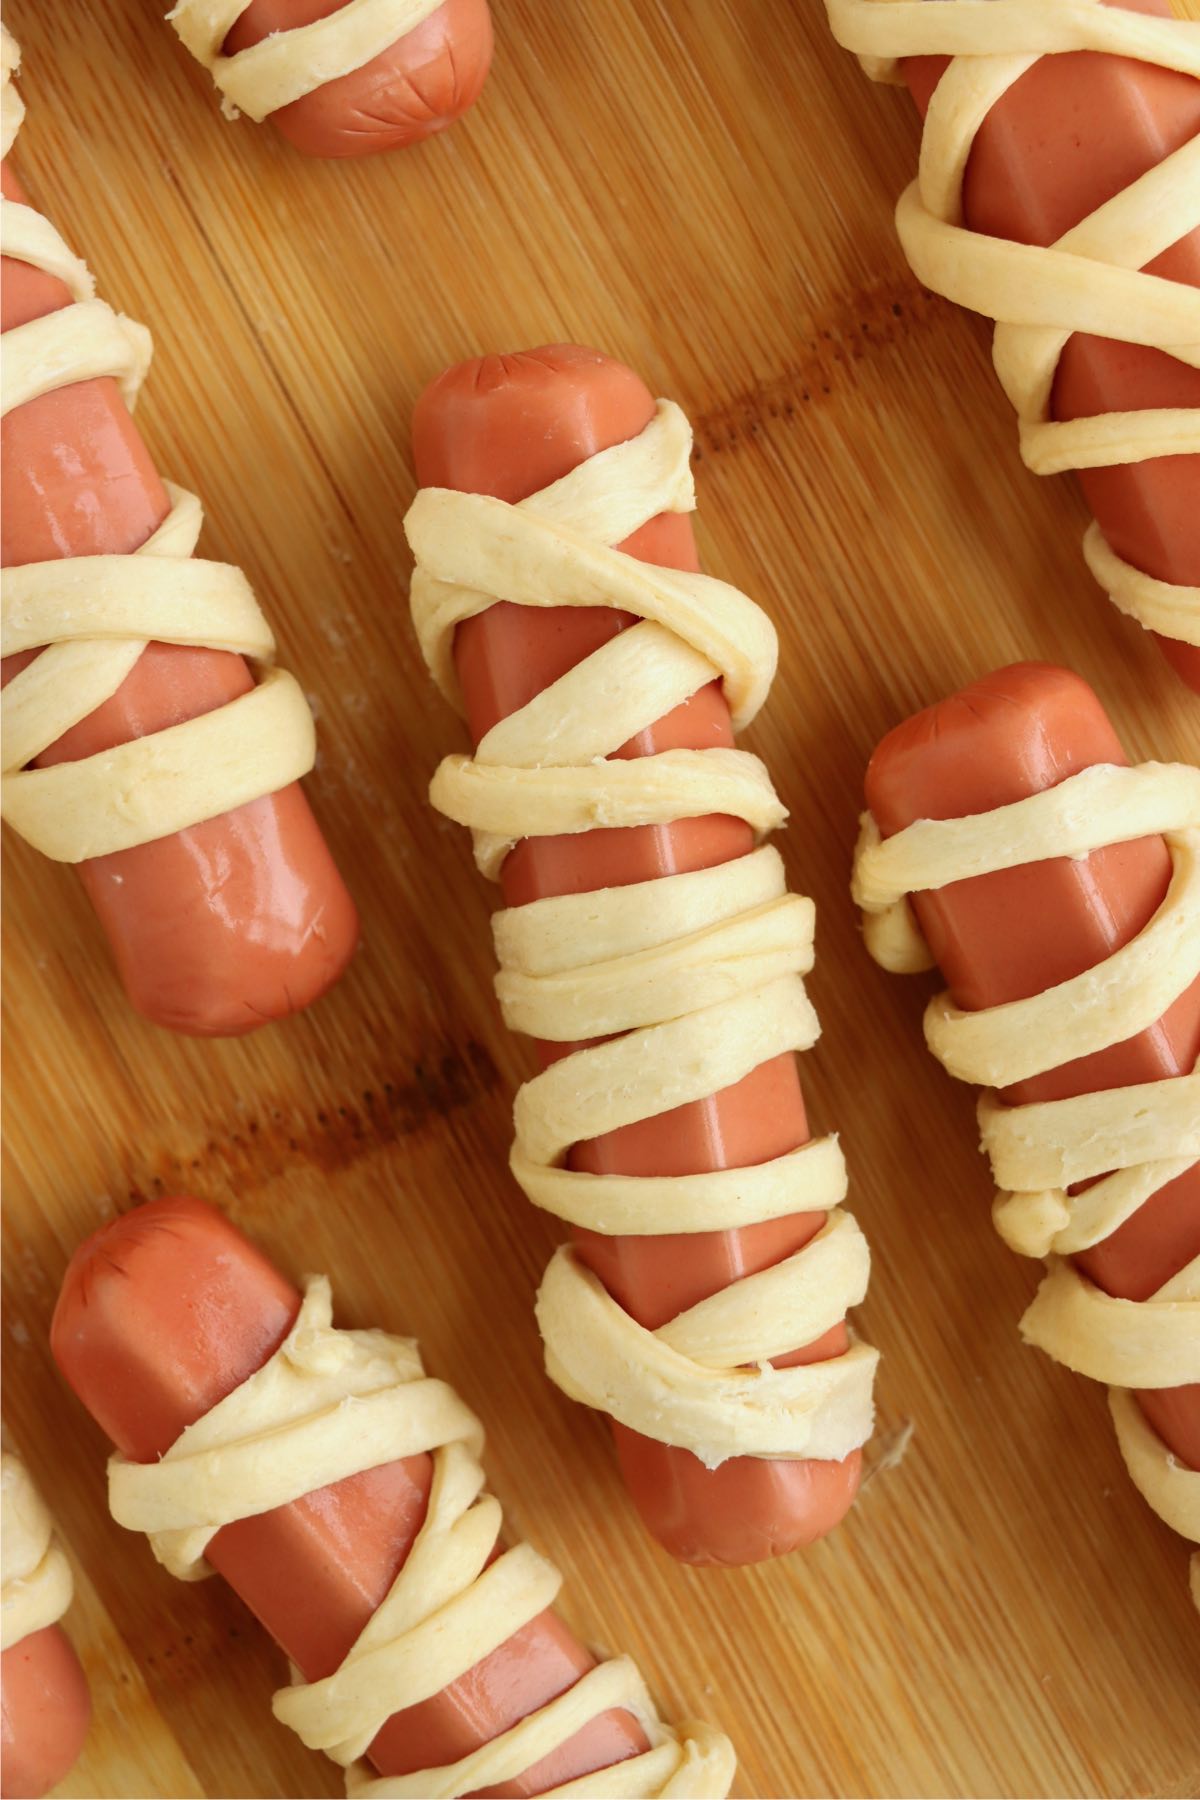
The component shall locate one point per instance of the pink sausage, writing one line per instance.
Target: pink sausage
(166, 1310)
(1071, 133)
(510, 425)
(421, 84)
(243, 918)
(45, 1710)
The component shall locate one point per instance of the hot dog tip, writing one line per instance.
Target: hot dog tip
(344, 78)
(1018, 717)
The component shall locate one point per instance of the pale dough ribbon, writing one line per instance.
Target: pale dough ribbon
(35, 1576)
(330, 1404)
(701, 974)
(1128, 1142)
(1091, 280)
(92, 616)
(296, 61)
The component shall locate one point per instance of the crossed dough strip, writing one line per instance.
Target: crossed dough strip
(330, 1404)
(35, 1576)
(1129, 1142)
(286, 65)
(1091, 280)
(701, 972)
(91, 617)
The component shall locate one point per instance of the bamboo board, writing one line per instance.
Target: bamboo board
(703, 188)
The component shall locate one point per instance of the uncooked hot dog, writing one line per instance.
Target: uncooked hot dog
(1024, 930)
(428, 75)
(45, 1706)
(1071, 132)
(508, 426)
(166, 1311)
(242, 918)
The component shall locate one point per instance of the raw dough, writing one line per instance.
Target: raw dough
(330, 1404)
(701, 974)
(91, 617)
(35, 1576)
(1138, 1139)
(1091, 280)
(286, 65)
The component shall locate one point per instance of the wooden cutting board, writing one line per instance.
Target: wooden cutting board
(704, 188)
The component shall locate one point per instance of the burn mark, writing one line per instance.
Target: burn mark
(335, 1136)
(863, 325)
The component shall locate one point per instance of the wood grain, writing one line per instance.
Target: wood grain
(703, 188)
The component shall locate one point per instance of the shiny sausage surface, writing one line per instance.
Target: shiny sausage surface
(421, 84)
(239, 920)
(165, 1311)
(45, 1710)
(1073, 131)
(508, 426)
(1019, 931)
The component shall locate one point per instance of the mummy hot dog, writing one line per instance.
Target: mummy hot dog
(137, 745)
(1059, 891)
(44, 1702)
(605, 791)
(343, 77)
(1059, 193)
(363, 1541)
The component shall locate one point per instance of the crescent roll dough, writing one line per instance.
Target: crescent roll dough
(1092, 280)
(90, 617)
(286, 65)
(691, 980)
(329, 1404)
(1127, 1142)
(35, 1576)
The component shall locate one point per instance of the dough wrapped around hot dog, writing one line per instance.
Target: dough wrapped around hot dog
(1063, 895)
(691, 981)
(137, 743)
(46, 1705)
(1059, 194)
(342, 77)
(339, 1488)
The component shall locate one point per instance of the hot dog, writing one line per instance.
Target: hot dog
(509, 427)
(45, 1706)
(1025, 929)
(417, 66)
(1071, 132)
(238, 918)
(166, 1312)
